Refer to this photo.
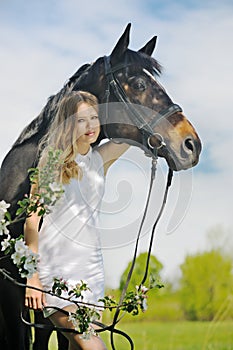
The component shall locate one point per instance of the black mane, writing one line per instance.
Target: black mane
(50, 109)
(82, 70)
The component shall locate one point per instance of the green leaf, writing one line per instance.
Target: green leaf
(8, 216)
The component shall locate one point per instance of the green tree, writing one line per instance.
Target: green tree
(139, 269)
(205, 284)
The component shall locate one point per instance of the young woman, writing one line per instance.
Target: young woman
(68, 242)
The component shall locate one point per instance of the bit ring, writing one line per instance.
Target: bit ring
(160, 138)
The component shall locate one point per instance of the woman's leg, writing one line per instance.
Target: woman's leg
(75, 341)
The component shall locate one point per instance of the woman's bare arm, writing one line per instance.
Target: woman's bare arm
(110, 152)
(33, 298)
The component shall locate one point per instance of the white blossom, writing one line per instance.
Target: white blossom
(3, 227)
(16, 257)
(74, 321)
(24, 274)
(144, 289)
(30, 266)
(87, 335)
(22, 256)
(95, 316)
(20, 247)
(4, 206)
(3, 209)
(41, 200)
(144, 305)
(5, 243)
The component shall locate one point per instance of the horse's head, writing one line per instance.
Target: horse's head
(138, 108)
(141, 111)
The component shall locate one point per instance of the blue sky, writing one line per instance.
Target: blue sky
(44, 42)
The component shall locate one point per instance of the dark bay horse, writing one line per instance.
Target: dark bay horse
(147, 118)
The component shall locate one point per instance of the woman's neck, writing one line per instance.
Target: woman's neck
(83, 149)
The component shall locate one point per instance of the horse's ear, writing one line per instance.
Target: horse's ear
(149, 47)
(121, 45)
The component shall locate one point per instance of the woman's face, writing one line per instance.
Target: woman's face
(88, 124)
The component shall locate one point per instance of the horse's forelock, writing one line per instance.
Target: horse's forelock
(140, 59)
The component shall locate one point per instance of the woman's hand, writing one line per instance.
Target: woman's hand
(34, 299)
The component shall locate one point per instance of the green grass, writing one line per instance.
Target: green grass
(173, 336)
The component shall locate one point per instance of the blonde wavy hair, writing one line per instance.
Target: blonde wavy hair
(62, 135)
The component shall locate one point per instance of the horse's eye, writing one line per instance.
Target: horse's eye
(138, 84)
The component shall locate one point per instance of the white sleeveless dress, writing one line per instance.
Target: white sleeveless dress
(69, 240)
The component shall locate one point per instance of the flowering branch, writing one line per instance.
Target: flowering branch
(21, 255)
(49, 193)
(88, 313)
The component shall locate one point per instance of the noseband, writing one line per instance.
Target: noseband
(145, 128)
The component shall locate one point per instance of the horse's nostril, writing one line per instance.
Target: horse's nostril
(189, 144)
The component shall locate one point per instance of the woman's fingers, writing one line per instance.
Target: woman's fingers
(44, 299)
(26, 302)
(34, 300)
